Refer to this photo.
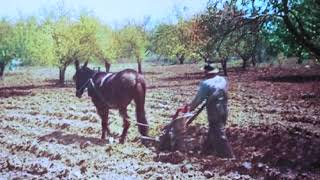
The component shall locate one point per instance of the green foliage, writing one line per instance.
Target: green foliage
(228, 29)
(74, 39)
(164, 40)
(281, 40)
(224, 29)
(36, 44)
(7, 39)
(292, 27)
(107, 43)
(25, 40)
(173, 40)
(60, 40)
(132, 42)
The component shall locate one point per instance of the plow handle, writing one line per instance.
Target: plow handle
(196, 114)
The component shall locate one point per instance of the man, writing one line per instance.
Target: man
(214, 90)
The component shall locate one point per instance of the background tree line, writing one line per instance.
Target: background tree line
(224, 29)
(61, 39)
(243, 29)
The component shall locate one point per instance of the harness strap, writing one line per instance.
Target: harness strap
(92, 83)
(96, 91)
(85, 85)
(105, 78)
(98, 94)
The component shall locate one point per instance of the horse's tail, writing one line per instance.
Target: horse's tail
(140, 111)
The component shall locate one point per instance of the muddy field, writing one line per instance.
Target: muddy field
(273, 126)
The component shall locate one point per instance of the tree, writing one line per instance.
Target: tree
(219, 27)
(7, 45)
(35, 42)
(24, 40)
(173, 40)
(74, 40)
(302, 19)
(132, 42)
(222, 30)
(109, 45)
(279, 39)
(247, 40)
(292, 27)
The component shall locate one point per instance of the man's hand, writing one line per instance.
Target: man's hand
(183, 109)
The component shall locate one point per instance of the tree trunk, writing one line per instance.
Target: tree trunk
(107, 66)
(245, 58)
(244, 63)
(224, 66)
(205, 58)
(180, 58)
(159, 57)
(62, 71)
(139, 65)
(2, 66)
(300, 58)
(300, 35)
(253, 60)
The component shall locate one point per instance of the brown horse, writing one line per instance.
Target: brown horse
(113, 91)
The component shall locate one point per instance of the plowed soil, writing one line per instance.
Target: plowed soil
(273, 126)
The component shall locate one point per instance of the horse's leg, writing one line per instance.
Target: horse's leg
(126, 124)
(104, 115)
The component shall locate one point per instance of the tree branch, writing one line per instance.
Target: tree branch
(300, 37)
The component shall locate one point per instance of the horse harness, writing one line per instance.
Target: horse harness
(94, 86)
(106, 77)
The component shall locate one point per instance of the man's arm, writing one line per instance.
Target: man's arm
(201, 96)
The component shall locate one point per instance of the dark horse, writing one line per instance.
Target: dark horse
(113, 91)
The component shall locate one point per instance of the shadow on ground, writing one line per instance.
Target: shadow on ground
(67, 139)
(13, 92)
(25, 90)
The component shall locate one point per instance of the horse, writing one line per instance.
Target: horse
(113, 91)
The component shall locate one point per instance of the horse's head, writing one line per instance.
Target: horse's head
(82, 77)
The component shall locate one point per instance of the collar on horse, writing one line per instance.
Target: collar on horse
(105, 78)
(89, 81)
(99, 95)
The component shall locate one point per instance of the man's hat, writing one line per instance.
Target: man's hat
(215, 71)
(209, 69)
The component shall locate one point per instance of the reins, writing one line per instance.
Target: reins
(85, 85)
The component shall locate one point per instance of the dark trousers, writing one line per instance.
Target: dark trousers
(217, 111)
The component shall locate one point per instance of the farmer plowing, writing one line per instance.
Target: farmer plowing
(214, 92)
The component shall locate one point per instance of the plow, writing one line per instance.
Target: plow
(172, 134)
